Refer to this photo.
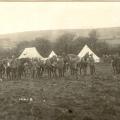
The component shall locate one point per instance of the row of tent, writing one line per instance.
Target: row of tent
(33, 53)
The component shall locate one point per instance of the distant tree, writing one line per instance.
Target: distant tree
(93, 40)
(43, 46)
(102, 48)
(67, 43)
(93, 36)
(20, 47)
(78, 44)
(63, 43)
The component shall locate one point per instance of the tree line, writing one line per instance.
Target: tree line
(67, 43)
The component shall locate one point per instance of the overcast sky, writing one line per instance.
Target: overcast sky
(28, 16)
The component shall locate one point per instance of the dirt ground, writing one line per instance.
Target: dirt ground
(86, 98)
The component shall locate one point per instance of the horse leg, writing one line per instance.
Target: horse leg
(80, 70)
(54, 72)
(74, 71)
(90, 69)
(71, 71)
(42, 70)
(38, 73)
(50, 72)
(21, 73)
(63, 72)
(9, 76)
(114, 71)
(1, 74)
(76, 74)
(93, 69)
(60, 72)
(18, 74)
(84, 69)
(33, 74)
(14, 73)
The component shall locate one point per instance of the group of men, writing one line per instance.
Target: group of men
(18, 68)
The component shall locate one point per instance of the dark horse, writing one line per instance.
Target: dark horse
(40, 68)
(2, 70)
(60, 66)
(8, 70)
(83, 64)
(20, 69)
(116, 64)
(51, 66)
(73, 61)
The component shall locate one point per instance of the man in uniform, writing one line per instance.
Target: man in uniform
(91, 64)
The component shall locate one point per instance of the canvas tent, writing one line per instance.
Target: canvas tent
(30, 53)
(52, 54)
(85, 50)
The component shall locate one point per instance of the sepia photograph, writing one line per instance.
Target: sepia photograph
(60, 61)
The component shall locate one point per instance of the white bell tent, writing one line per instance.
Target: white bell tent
(30, 53)
(52, 54)
(86, 50)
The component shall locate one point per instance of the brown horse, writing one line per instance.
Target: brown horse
(40, 68)
(14, 69)
(83, 64)
(60, 66)
(2, 69)
(51, 66)
(73, 61)
(116, 64)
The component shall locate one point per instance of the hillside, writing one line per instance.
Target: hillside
(110, 35)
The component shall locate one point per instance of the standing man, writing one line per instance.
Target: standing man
(91, 64)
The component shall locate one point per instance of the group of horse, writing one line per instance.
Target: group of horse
(56, 66)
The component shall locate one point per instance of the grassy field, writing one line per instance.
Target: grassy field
(86, 98)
